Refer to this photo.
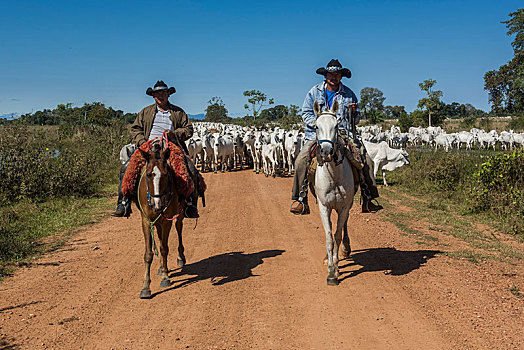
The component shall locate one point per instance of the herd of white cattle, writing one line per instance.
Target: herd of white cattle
(217, 146)
(220, 147)
(438, 138)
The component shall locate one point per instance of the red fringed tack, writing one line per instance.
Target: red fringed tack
(183, 181)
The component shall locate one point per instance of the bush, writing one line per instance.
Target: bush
(478, 182)
(37, 163)
(43, 171)
(499, 188)
(517, 123)
(436, 172)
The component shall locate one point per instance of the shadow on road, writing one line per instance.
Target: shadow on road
(392, 261)
(19, 306)
(221, 269)
(7, 344)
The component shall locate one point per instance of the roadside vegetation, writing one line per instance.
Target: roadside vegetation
(469, 195)
(54, 178)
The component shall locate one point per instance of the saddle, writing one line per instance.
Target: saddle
(348, 150)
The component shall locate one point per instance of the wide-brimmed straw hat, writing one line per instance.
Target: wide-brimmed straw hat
(160, 86)
(334, 66)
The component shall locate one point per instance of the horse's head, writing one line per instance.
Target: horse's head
(326, 130)
(157, 177)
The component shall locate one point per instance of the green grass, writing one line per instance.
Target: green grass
(24, 225)
(467, 183)
(467, 255)
(515, 291)
(440, 218)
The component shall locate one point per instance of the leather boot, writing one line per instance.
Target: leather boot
(300, 208)
(123, 209)
(191, 210)
(369, 207)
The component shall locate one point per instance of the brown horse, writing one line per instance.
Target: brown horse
(160, 205)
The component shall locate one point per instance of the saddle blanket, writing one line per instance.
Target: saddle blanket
(177, 161)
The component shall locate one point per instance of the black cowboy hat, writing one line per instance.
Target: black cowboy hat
(160, 86)
(334, 66)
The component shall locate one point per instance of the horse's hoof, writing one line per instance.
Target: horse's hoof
(332, 281)
(145, 294)
(345, 254)
(165, 283)
(180, 262)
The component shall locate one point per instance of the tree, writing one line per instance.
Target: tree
(257, 100)
(515, 25)
(372, 104)
(293, 110)
(406, 121)
(129, 117)
(432, 103)
(277, 112)
(216, 111)
(506, 85)
(394, 112)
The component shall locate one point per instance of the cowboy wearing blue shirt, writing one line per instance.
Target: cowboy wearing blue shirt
(325, 93)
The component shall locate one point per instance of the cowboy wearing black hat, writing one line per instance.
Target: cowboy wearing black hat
(325, 94)
(151, 123)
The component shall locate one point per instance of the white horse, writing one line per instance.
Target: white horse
(334, 186)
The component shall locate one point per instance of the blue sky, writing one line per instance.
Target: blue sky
(111, 51)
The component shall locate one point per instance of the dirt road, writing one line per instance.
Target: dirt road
(255, 280)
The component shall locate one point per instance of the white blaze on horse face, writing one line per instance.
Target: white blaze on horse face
(326, 130)
(156, 187)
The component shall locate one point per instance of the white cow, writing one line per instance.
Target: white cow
(195, 148)
(292, 145)
(269, 159)
(209, 154)
(238, 148)
(385, 158)
(224, 150)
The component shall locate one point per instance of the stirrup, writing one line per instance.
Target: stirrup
(377, 204)
(303, 207)
(127, 208)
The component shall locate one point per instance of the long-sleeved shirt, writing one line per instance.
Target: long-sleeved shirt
(344, 96)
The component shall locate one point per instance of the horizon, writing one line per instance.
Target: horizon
(110, 52)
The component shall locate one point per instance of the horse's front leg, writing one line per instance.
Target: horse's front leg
(325, 216)
(163, 229)
(145, 293)
(179, 225)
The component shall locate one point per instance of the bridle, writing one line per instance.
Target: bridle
(150, 196)
(167, 191)
(334, 144)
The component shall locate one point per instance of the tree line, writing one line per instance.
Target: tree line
(95, 113)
